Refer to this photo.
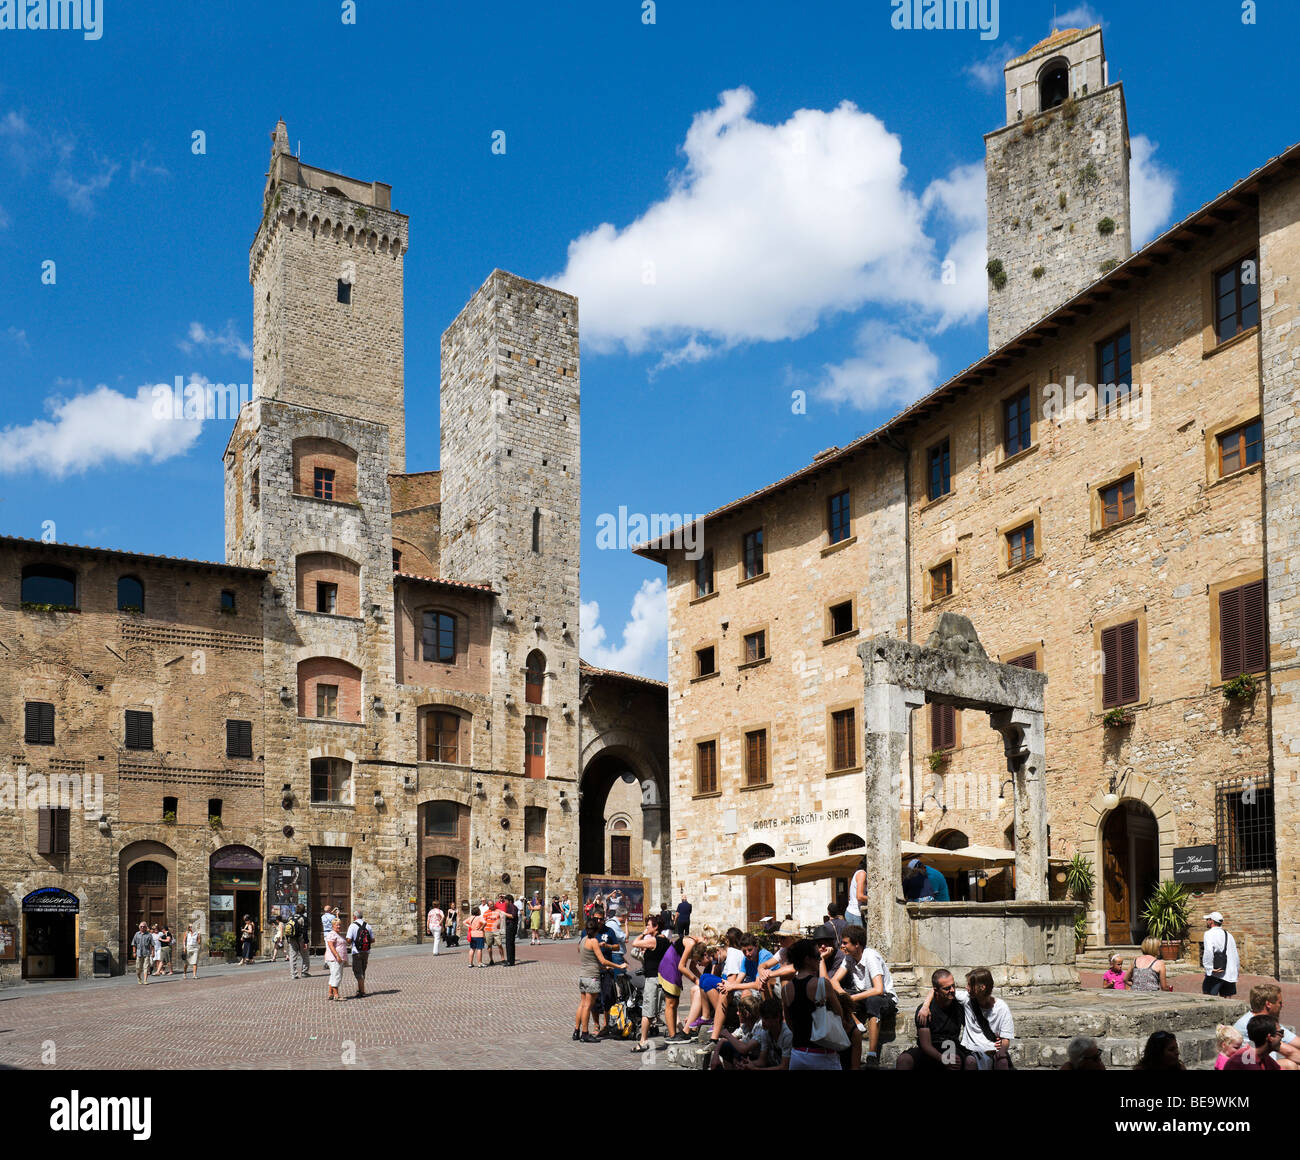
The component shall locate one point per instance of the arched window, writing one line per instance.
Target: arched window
(1053, 84)
(130, 595)
(438, 637)
(442, 737)
(329, 688)
(324, 469)
(844, 842)
(950, 840)
(535, 677)
(759, 853)
(49, 584)
(328, 583)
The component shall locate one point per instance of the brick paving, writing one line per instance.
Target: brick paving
(424, 1013)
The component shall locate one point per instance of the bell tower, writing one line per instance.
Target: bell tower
(1058, 181)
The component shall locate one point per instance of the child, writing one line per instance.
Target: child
(1113, 979)
(733, 1048)
(773, 1037)
(1229, 1040)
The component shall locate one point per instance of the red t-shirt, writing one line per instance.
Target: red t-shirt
(1263, 1062)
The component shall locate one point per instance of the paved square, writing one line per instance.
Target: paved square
(423, 1013)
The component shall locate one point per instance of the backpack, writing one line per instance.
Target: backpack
(620, 1022)
(361, 944)
(291, 928)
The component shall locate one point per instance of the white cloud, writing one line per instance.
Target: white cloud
(226, 341)
(142, 167)
(19, 337)
(1080, 16)
(644, 647)
(78, 193)
(14, 125)
(889, 371)
(988, 71)
(766, 230)
(1151, 192)
(95, 429)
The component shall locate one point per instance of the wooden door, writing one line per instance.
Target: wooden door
(1117, 887)
(331, 885)
(620, 856)
(146, 897)
(760, 899)
(535, 747)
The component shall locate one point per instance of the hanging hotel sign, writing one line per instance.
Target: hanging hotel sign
(1196, 864)
(51, 900)
(809, 819)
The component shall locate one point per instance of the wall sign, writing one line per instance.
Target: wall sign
(1196, 864)
(51, 900)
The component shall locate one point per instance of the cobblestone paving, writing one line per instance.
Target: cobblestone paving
(423, 1013)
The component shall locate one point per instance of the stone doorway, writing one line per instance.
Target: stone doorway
(1130, 868)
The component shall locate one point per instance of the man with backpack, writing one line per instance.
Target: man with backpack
(1219, 958)
(361, 938)
(295, 941)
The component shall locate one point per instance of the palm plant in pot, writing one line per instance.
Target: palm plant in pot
(1166, 915)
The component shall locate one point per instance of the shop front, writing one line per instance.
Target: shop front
(50, 934)
(234, 890)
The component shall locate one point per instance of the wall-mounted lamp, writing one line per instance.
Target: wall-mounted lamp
(104, 827)
(1002, 789)
(285, 698)
(377, 705)
(379, 800)
(1111, 798)
(920, 813)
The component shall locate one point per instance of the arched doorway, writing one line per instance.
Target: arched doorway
(146, 895)
(760, 893)
(440, 881)
(839, 845)
(613, 788)
(1130, 867)
(235, 890)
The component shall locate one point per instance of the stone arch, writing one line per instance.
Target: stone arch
(605, 758)
(1092, 824)
(1053, 83)
(131, 855)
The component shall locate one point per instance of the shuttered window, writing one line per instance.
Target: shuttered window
(139, 729)
(943, 727)
(756, 757)
(39, 722)
(52, 828)
(1017, 428)
(1119, 649)
(1028, 661)
(239, 739)
(844, 753)
(706, 767)
(1242, 633)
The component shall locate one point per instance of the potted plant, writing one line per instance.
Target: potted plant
(169, 818)
(224, 945)
(1080, 878)
(1166, 915)
(214, 820)
(1240, 688)
(1080, 932)
(938, 760)
(1116, 718)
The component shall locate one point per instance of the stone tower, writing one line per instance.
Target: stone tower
(511, 476)
(1058, 181)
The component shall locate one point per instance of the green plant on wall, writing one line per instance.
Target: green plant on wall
(1116, 718)
(1080, 931)
(1242, 688)
(1106, 226)
(1166, 911)
(1039, 271)
(997, 273)
(222, 944)
(938, 759)
(1080, 878)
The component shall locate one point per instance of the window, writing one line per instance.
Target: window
(706, 663)
(214, 809)
(239, 739)
(1020, 546)
(1245, 827)
(38, 722)
(1053, 85)
(330, 781)
(535, 747)
(1027, 661)
(49, 584)
(756, 757)
(397, 560)
(441, 820)
(534, 830)
(837, 517)
(130, 595)
(327, 700)
(442, 737)
(1118, 501)
(704, 575)
(843, 843)
(1236, 298)
(537, 530)
(841, 618)
(1114, 369)
(1017, 426)
(941, 581)
(227, 600)
(753, 553)
(844, 749)
(52, 829)
(169, 808)
(255, 491)
(1241, 447)
(323, 483)
(938, 470)
(139, 729)
(706, 767)
(1243, 634)
(438, 637)
(1119, 658)
(345, 292)
(755, 647)
(534, 677)
(943, 727)
(327, 596)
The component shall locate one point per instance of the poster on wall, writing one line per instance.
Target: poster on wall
(616, 894)
(287, 884)
(8, 942)
(221, 902)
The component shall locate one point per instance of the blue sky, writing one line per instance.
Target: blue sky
(750, 198)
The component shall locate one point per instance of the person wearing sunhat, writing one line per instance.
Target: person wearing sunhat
(1219, 958)
(775, 971)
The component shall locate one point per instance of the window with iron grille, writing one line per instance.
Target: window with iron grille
(1020, 546)
(1241, 447)
(837, 517)
(1118, 501)
(1119, 657)
(239, 739)
(1236, 298)
(39, 723)
(844, 749)
(753, 553)
(1244, 827)
(938, 470)
(439, 637)
(844, 842)
(323, 484)
(756, 757)
(704, 575)
(943, 727)
(1114, 369)
(1017, 428)
(706, 767)
(139, 729)
(1243, 635)
(52, 831)
(755, 647)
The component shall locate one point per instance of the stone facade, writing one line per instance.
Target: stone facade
(372, 634)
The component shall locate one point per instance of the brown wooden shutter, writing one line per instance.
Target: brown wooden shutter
(943, 726)
(1128, 649)
(1110, 667)
(60, 826)
(1254, 628)
(1028, 661)
(44, 840)
(1230, 641)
